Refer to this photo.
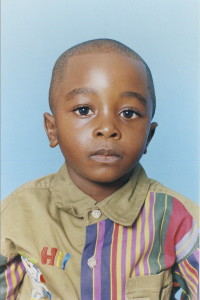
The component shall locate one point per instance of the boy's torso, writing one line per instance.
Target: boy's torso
(87, 250)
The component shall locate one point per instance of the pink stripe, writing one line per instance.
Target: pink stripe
(142, 242)
(97, 268)
(18, 265)
(151, 231)
(16, 272)
(9, 280)
(196, 254)
(123, 261)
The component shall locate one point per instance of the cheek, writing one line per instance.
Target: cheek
(72, 142)
(137, 137)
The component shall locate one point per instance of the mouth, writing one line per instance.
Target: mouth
(106, 156)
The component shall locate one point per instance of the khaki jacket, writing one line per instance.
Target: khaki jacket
(58, 243)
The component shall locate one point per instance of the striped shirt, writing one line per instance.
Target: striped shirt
(139, 243)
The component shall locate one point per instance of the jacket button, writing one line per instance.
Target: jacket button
(92, 262)
(96, 213)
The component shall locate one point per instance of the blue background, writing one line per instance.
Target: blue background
(165, 33)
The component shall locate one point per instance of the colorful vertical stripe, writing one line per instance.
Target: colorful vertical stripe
(86, 272)
(187, 273)
(12, 278)
(98, 254)
(146, 248)
(106, 254)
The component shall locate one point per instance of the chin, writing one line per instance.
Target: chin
(106, 178)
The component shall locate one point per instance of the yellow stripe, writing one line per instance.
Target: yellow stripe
(161, 227)
(137, 246)
(188, 241)
(119, 256)
(128, 252)
(187, 279)
(192, 275)
(21, 272)
(13, 276)
(146, 236)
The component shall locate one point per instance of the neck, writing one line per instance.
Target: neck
(97, 190)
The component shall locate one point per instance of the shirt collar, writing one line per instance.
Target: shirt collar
(122, 207)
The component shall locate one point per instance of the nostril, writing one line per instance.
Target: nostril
(107, 133)
(113, 135)
(99, 133)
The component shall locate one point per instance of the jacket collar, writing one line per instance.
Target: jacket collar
(122, 207)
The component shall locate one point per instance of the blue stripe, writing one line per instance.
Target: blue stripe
(193, 262)
(65, 260)
(105, 260)
(86, 272)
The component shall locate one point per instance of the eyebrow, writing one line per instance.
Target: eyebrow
(130, 94)
(79, 91)
(87, 90)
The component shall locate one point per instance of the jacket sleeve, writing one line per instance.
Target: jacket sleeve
(184, 234)
(11, 275)
(186, 275)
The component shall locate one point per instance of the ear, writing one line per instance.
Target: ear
(151, 134)
(50, 128)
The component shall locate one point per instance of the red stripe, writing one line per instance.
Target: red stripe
(183, 218)
(191, 269)
(179, 219)
(114, 262)
(187, 278)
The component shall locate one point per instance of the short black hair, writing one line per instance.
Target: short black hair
(96, 46)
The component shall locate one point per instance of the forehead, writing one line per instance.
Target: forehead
(108, 73)
(80, 66)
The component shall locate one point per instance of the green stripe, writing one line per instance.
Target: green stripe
(159, 238)
(3, 260)
(3, 284)
(165, 227)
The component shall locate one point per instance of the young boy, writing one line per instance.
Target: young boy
(99, 228)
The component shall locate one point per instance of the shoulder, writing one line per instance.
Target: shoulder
(175, 219)
(28, 191)
(184, 203)
(21, 212)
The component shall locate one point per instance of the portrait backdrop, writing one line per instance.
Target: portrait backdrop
(165, 33)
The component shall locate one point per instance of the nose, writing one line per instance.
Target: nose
(107, 129)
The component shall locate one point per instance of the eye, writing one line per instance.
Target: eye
(83, 111)
(129, 114)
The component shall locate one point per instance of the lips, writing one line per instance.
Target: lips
(106, 156)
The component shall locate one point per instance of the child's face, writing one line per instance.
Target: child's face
(102, 116)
